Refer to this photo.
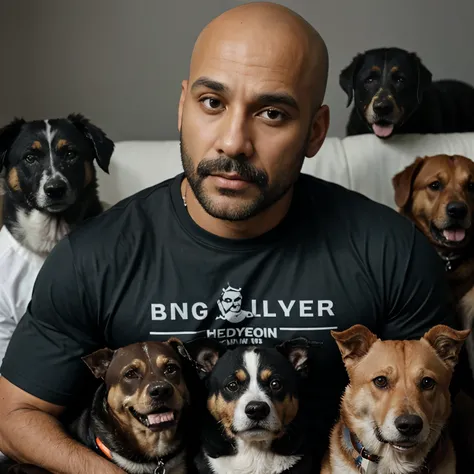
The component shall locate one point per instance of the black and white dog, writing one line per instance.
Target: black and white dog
(255, 417)
(50, 184)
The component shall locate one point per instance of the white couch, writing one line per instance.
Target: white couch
(363, 163)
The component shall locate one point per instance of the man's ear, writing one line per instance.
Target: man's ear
(99, 361)
(447, 343)
(184, 90)
(402, 182)
(102, 145)
(354, 343)
(8, 135)
(318, 132)
(347, 77)
(205, 352)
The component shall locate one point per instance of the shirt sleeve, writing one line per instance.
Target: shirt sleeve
(417, 287)
(58, 328)
(419, 297)
(7, 322)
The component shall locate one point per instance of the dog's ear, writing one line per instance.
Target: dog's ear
(205, 353)
(180, 348)
(447, 343)
(424, 77)
(402, 182)
(103, 146)
(347, 76)
(354, 343)
(8, 135)
(297, 352)
(99, 361)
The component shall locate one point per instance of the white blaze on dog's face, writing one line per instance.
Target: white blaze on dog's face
(49, 163)
(398, 394)
(253, 392)
(147, 390)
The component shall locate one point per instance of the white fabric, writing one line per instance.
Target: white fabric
(363, 163)
(18, 270)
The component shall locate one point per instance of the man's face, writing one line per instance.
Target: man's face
(246, 121)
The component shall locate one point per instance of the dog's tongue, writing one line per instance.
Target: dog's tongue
(382, 130)
(455, 235)
(157, 418)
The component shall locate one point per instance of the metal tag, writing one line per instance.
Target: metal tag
(160, 469)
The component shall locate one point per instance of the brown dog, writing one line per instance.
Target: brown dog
(139, 413)
(395, 409)
(437, 194)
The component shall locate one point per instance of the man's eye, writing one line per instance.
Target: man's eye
(273, 114)
(211, 103)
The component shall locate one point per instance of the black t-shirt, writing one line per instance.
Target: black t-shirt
(144, 270)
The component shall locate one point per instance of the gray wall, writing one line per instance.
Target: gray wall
(120, 62)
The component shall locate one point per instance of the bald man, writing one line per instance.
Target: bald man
(240, 247)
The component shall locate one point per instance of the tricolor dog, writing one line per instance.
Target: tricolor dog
(49, 187)
(254, 423)
(139, 418)
(395, 410)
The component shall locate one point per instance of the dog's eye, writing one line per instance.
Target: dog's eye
(381, 381)
(470, 186)
(131, 374)
(171, 369)
(427, 383)
(275, 385)
(30, 158)
(435, 185)
(232, 386)
(70, 155)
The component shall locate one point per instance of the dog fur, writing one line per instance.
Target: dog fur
(237, 441)
(393, 92)
(50, 183)
(397, 403)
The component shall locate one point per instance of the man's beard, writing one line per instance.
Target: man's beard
(267, 196)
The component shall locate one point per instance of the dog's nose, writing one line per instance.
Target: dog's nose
(55, 188)
(257, 411)
(383, 107)
(409, 425)
(160, 391)
(456, 209)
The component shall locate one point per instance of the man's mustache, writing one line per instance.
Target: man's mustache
(224, 164)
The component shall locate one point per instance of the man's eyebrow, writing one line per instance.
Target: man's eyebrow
(209, 84)
(278, 98)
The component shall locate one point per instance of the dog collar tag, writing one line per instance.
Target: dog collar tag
(160, 469)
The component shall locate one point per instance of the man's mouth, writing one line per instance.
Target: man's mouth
(449, 236)
(159, 419)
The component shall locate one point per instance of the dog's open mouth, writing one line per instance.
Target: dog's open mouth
(450, 236)
(383, 128)
(159, 419)
(403, 446)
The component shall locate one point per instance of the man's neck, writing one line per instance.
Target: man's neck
(250, 228)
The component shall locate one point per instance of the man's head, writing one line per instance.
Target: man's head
(251, 109)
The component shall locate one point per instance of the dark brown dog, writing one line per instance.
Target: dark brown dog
(139, 413)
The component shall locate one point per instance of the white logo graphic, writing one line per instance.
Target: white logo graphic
(230, 305)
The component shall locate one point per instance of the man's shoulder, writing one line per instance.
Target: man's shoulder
(129, 216)
(353, 206)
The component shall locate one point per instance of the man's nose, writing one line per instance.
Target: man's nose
(235, 138)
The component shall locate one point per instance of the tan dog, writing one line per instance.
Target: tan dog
(395, 409)
(437, 194)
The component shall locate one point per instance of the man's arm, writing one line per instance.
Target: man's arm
(30, 432)
(42, 371)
